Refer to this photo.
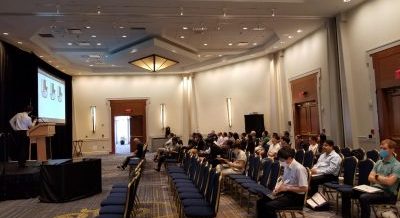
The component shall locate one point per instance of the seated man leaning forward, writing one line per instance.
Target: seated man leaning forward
(138, 153)
(326, 169)
(385, 176)
(237, 166)
(290, 190)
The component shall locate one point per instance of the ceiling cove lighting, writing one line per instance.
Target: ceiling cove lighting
(153, 63)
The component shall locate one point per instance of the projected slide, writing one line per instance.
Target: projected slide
(51, 98)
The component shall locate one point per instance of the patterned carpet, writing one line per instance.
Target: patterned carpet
(153, 193)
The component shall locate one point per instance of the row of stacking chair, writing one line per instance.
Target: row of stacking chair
(260, 176)
(305, 157)
(360, 153)
(195, 187)
(122, 201)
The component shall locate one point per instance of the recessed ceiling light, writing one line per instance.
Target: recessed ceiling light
(230, 44)
(205, 44)
(6, 34)
(275, 47)
(299, 31)
(69, 43)
(346, 1)
(50, 61)
(174, 51)
(220, 55)
(124, 36)
(134, 50)
(121, 27)
(87, 27)
(19, 42)
(290, 37)
(245, 28)
(93, 36)
(282, 42)
(57, 66)
(185, 28)
(62, 70)
(182, 37)
(112, 65)
(40, 56)
(99, 43)
(254, 43)
(91, 65)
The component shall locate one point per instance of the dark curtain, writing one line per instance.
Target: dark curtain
(18, 88)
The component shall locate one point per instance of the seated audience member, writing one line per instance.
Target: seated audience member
(326, 169)
(385, 175)
(313, 145)
(287, 134)
(290, 190)
(171, 152)
(285, 141)
(136, 154)
(237, 166)
(166, 146)
(251, 144)
(274, 147)
(298, 140)
(321, 141)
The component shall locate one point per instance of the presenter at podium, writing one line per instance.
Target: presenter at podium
(21, 123)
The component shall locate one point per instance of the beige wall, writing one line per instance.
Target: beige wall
(244, 82)
(370, 26)
(96, 90)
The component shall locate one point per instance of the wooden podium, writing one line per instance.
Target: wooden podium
(38, 134)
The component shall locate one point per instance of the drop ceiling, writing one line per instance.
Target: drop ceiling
(102, 37)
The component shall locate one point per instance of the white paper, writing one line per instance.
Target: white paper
(318, 198)
(311, 203)
(367, 188)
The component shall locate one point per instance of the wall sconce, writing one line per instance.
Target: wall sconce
(93, 117)
(229, 107)
(162, 115)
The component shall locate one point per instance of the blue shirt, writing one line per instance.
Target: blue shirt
(328, 164)
(295, 174)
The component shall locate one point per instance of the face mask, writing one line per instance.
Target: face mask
(383, 153)
(283, 163)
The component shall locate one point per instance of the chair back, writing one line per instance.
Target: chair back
(299, 156)
(204, 176)
(345, 151)
(309, 177)
(349, 170)
(308, 159)
(250, 168)
(266, 171)
(256, 168)
(131, 194)
(216, 188)
(364, 168)
(373, 155)
(359, 153)
(273, 177)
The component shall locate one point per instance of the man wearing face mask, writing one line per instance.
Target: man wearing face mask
(290, 190)
(326, 169)
(385, 175)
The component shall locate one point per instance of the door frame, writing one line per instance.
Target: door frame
(127, 107)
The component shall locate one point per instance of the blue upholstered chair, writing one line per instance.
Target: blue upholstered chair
(308, 159)
(373, 155)
(299, 156)
(349, 173)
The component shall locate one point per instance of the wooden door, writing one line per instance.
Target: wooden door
(137, 131)
(386, 64)
(306, 119)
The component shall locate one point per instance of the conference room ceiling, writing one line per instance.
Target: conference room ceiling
(103, 36)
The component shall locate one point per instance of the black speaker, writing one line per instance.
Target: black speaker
(254, 122)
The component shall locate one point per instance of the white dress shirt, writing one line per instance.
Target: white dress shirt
(21, 121)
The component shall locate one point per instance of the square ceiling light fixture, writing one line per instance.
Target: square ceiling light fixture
(153, 63)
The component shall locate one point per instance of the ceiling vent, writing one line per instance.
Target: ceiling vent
(243, 44)
(138, 28)
(74, 31)
(46, 35)
(199, 29)
(84, 43)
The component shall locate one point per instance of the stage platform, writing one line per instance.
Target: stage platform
(19, 183)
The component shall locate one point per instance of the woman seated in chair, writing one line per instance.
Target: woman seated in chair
(237, 166)
(290, 191)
